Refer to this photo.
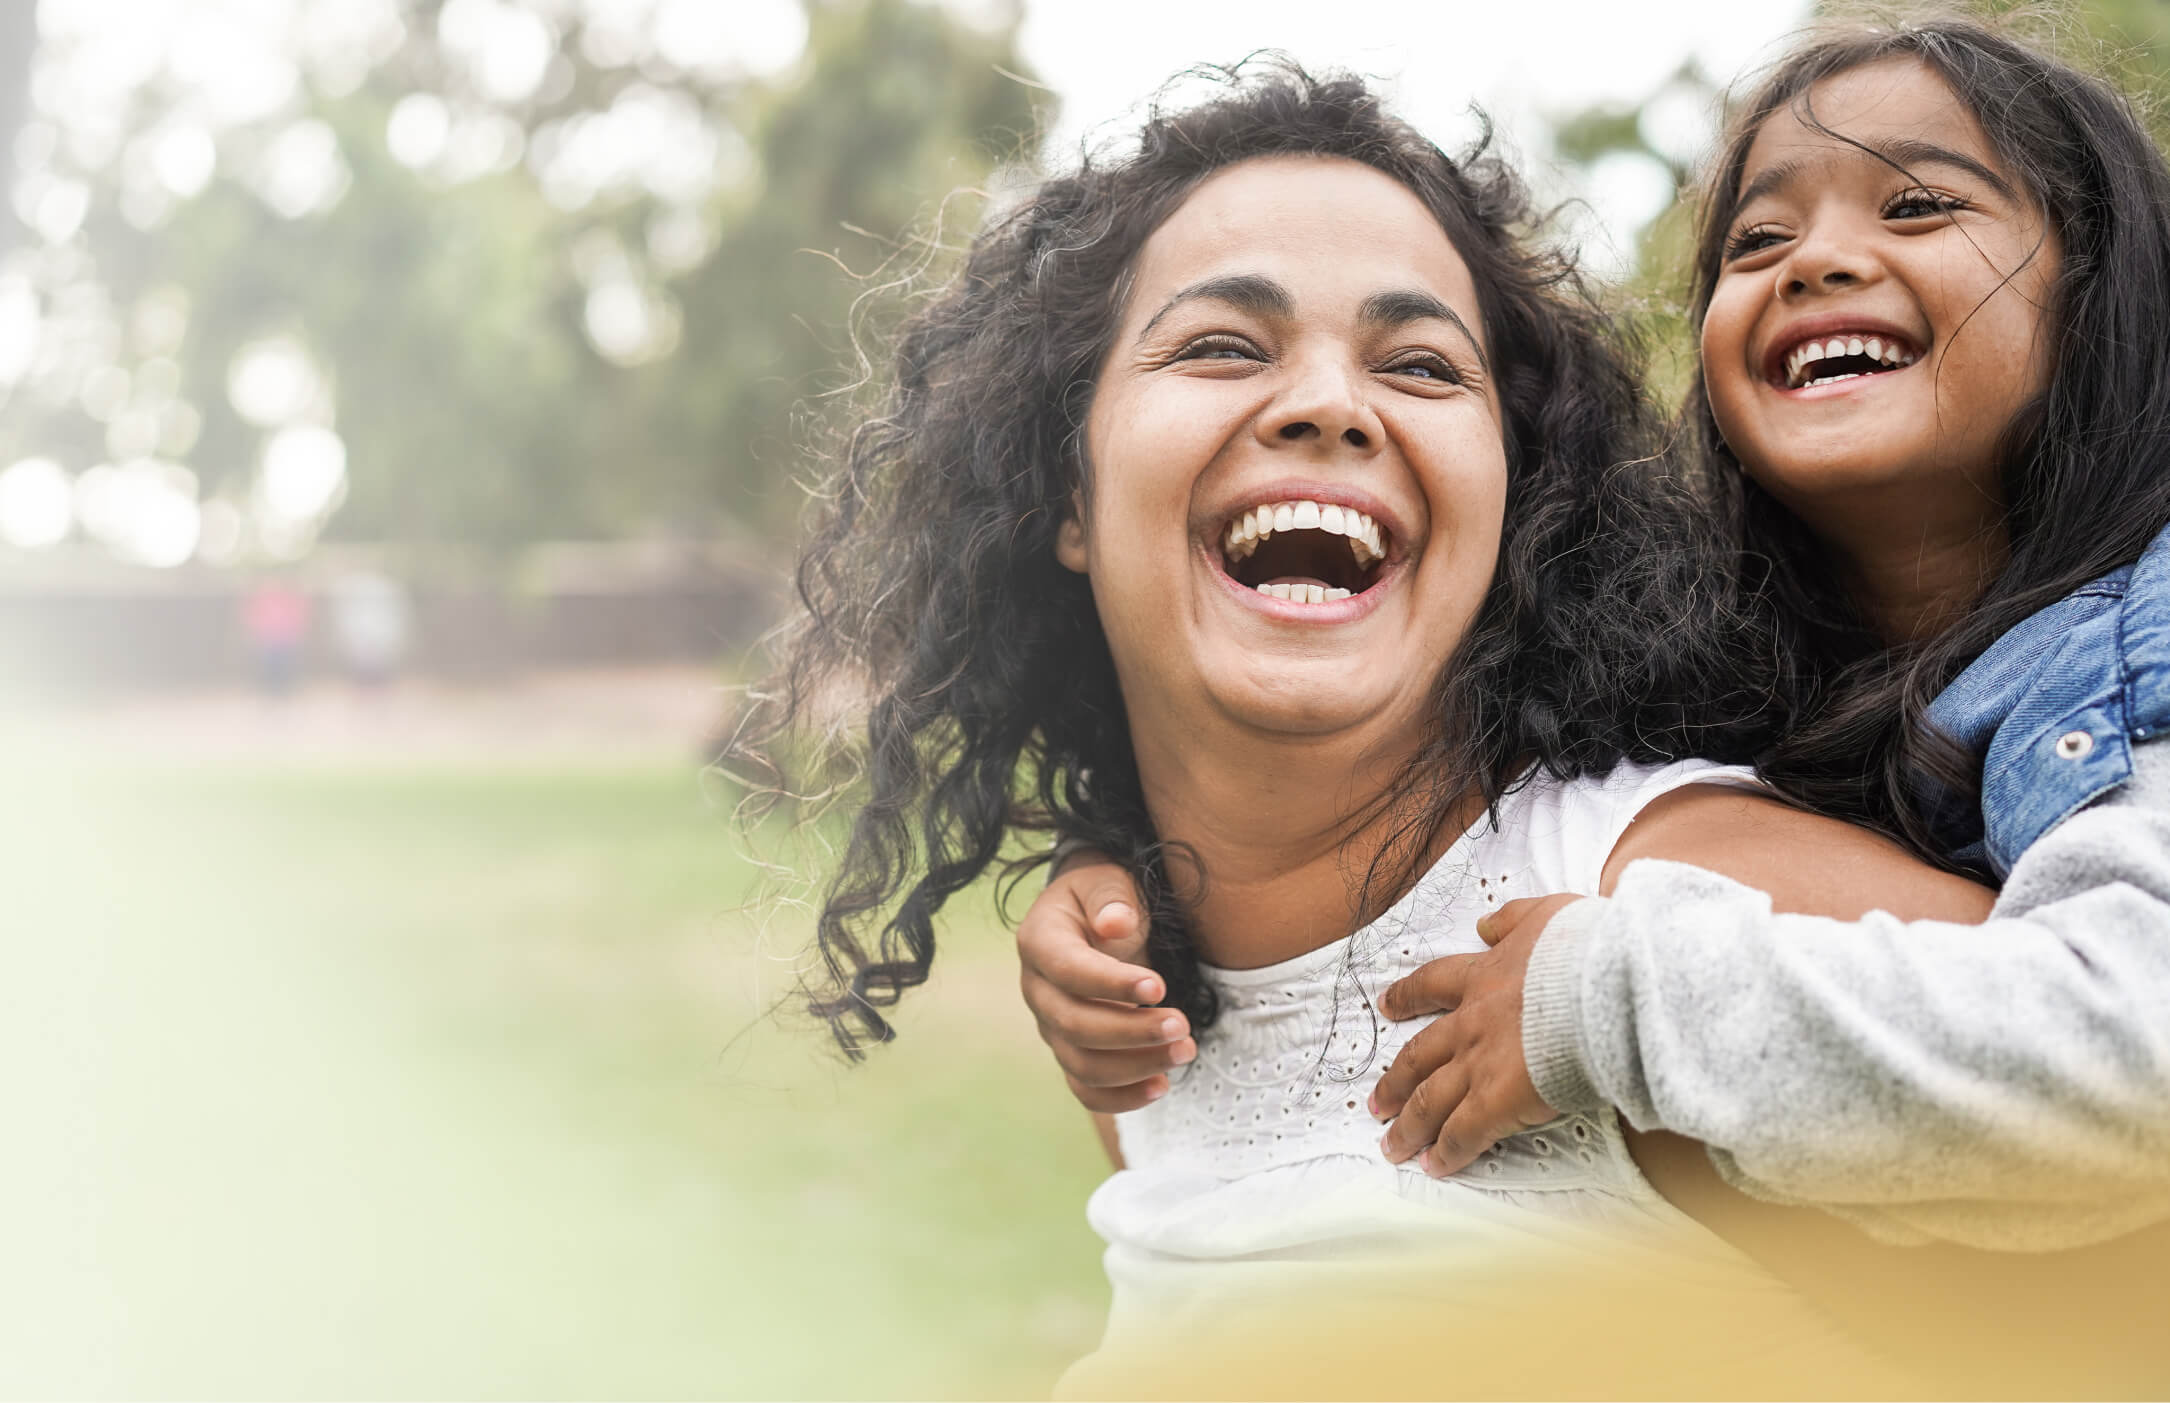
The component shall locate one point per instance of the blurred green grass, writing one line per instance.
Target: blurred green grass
(354, 1080)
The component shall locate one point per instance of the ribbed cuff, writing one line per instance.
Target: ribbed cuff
(1552, 1042)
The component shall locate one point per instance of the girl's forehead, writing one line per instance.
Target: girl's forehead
(1872, 112)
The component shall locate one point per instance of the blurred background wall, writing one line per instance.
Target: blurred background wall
(406, 408)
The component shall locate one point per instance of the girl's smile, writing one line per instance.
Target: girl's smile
(1296, 473)
(1880, 316)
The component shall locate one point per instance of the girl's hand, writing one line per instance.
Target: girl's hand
(1461, 1085)
(1082, 952)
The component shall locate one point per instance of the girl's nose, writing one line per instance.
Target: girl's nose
(1321, 405)
(1825, 262)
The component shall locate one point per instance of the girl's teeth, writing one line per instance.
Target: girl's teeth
(1891, 353)
(1284, 517)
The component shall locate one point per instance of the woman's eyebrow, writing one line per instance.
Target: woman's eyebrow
(1900, 153)
(1255, 293)
(1386, 310)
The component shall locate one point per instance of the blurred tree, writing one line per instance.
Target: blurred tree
(18, 43)
(547, 269)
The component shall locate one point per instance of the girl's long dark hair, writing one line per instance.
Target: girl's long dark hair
(971, 667)
(2085, 466)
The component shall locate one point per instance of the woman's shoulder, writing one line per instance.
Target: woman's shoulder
(1629, 785)
(1566, 829)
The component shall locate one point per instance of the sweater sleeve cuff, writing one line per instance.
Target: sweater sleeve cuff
(1552, 1040)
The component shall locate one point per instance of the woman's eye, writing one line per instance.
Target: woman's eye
(1753, 239)
(1426, 367)
(1922, 204)
(1219, 348)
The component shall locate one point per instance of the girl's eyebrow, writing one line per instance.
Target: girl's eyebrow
(1900, 153)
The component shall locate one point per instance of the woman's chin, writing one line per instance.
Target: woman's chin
(1312, 697)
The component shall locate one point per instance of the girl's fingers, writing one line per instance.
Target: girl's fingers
(1054, 944)
(1498, 925)
(1425, 1054)
(1429, 1106)
(1116, 1070)
(1432, 988)
(1095, 1025)
(1467, 1133)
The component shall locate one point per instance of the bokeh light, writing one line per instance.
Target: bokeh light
(35, 504)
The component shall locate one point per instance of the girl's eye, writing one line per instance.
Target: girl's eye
(1425, 367)
(1219, 348)
(1754, 239)
(1922, 204)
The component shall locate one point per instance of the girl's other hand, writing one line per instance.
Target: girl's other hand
(1462, 1084)
(1081, 949)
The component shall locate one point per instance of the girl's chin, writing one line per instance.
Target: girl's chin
(1808, 471)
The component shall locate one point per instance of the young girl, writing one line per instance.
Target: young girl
(1936, 378)
(1256, 506)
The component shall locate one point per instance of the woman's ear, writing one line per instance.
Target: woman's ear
(1070, 539)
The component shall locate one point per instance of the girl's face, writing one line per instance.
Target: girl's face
(1296, 460)
(1881, 311)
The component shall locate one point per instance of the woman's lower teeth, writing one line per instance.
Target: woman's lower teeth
(1303, 593)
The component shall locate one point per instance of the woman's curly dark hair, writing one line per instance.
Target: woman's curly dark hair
(935, 607)
(2082, 465)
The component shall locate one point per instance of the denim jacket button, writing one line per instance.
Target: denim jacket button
(2074, 745)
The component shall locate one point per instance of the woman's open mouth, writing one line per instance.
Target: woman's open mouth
(1826, 360)
(1303, 551)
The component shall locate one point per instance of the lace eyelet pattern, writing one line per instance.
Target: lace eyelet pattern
(1286, 1073)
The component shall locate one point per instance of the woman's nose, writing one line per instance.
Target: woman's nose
(1321, 405)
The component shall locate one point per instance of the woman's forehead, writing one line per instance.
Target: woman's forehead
(1326, 228)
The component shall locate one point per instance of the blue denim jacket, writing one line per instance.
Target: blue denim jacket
(2054, 706)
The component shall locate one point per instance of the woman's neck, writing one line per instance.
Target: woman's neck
(1286, 833)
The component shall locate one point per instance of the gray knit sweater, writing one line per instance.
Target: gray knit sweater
(2003, 1085)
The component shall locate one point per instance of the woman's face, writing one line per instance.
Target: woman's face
(1296, 461)
(1880, 313)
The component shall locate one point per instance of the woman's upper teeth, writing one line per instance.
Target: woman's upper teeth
(1366, 541)
(1801, 357)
